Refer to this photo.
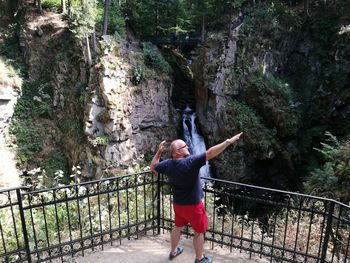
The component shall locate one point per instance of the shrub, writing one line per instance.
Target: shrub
(138, 74)
(154, 59)
(245, 117)
(101, 141)
(332, 179)
(54, 5)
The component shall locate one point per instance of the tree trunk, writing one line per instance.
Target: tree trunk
(89, 59)
(63, 5)
(40, 9)
(105, 17)
(203, 28)
(94, 42)
(306, 8)
(69, 8)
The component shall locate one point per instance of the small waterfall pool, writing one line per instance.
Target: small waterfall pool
(193, 139)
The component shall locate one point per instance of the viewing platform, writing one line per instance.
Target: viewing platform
(155, 249)
(128, 219)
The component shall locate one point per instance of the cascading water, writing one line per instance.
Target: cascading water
(194, 140)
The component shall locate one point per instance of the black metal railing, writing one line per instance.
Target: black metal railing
(279, 225)
(66, 221)
(69, 220)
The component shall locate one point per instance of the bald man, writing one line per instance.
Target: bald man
(183, 173)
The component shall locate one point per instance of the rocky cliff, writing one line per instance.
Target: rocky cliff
(121, 123)
(275, 78)
(125, 122)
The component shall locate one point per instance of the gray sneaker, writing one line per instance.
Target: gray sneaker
(177, 252)
(207, 259)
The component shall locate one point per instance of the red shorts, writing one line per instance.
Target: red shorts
(193, 214)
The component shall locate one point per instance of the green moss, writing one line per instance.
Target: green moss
(104, 116)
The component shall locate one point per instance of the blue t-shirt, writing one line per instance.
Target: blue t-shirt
(184, 177)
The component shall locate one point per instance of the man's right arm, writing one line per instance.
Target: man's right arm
(157, 156)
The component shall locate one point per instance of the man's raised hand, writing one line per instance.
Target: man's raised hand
(234, 138)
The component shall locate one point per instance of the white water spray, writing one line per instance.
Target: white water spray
(194, 140)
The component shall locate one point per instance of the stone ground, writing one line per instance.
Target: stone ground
(155, 249)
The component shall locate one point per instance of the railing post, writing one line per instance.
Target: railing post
(328, 231)
(23, 223)
(158, 203)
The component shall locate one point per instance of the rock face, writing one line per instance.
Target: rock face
(214, 87)
(124, 122)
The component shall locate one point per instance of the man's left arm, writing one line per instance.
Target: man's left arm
(157, 156)
(219, 148)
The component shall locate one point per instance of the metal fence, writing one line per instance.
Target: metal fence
(68, 221)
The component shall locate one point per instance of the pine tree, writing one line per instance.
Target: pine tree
(82, 24)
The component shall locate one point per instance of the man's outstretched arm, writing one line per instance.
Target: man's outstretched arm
(157, 156)
(219, 148)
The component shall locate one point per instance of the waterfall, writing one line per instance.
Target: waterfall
(194, 140)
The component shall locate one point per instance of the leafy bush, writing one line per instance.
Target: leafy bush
(245, 117)
(54, 5)
(101, 141)
(273, 99)
(138, 74)
(154, 59)
(53, 163)
(27, 138)
(260, 140)
(332, 179)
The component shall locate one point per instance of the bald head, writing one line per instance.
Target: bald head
(178, 149)
(175, 145)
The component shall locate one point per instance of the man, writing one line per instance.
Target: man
(183, 173)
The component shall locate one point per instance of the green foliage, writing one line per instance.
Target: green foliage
(259, 139)
(35, 102)
(54, 5)
(101, 140)
(116, 21)
(82, 21)
(273, 99)
(28, 139)
(75, 128)
(138, 74)
(54, 162)
(270, 19)
(333, 178)
(148, 157)
(271, 84)
(154, 58)
(156, 18)
(245, 117)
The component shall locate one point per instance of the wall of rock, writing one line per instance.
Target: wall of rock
(124, 122)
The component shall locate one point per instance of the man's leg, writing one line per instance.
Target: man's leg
(175, 237)
(198, 243)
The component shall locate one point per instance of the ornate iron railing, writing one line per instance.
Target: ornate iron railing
(66, 221)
